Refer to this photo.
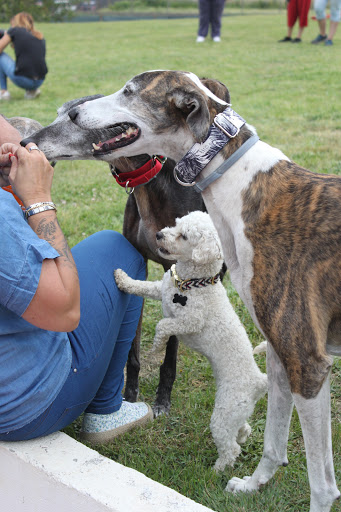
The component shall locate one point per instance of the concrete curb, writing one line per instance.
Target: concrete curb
(57, 473)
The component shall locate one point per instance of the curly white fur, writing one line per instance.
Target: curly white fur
(208, 324)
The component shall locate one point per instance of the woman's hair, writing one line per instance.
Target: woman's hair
(25, 20)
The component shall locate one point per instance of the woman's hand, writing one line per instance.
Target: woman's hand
(30, 174)
(5, 168)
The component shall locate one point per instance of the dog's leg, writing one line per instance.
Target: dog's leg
(151, 289)
(167, 377)
(315, 420)
(280, 405)
(177, 327)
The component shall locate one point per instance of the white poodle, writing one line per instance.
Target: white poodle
(197, 310)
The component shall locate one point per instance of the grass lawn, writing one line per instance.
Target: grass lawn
(291, 93)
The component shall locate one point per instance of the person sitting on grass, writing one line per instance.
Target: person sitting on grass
(66, 329)
(29, 69)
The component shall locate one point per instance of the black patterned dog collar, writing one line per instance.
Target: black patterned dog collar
(225, 126)
(187, 284)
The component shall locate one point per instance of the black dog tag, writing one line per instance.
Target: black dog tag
(180, 299)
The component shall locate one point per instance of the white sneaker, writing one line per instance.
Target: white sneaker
(200, 39)
(102, 428)
(31, 95)
(216, 39)
(5, 95)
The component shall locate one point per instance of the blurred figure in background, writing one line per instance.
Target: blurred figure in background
(210, 13)
(296, 10)
(29, 69)
(320, 10)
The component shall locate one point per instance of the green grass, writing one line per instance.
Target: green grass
(291, 93)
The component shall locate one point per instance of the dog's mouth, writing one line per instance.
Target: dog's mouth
(163, 251)
(117, 136)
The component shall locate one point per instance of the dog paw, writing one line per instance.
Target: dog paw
(219, 465)
(120, 278)
(238, 485)
(158, 344)
(160, 410)
(260, 348)
(243, 433)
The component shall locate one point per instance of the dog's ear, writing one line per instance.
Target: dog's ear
(208, 249)
(194, 107)
(218, 88)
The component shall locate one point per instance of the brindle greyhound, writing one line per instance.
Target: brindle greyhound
(147, 211)
(280, 227)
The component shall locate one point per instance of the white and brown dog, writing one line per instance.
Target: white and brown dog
(197, 310)
(280, 227)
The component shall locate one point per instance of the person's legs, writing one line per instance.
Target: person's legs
(320, 11)
(107, 316)
(204, 17)
(217, 8)
(335, 11)
(7, 68)
(292, 15)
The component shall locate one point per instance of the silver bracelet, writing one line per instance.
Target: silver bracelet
(39, 208)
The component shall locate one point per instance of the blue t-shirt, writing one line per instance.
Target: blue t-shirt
(34, 363)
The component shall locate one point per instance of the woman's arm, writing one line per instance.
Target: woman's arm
(56, 303)
(4, 41)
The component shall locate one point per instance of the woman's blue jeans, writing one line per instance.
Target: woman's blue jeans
(7, 68)
(101, 342)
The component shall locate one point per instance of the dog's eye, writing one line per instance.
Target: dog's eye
(184, 237)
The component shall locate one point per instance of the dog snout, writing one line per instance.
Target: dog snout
(159, 235)
(73, 114)
(24, 142)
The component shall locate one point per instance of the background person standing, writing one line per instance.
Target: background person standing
(210, 13)
(320, 10)
(296, 10)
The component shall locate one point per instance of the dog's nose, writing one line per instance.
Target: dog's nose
(24, 142)
(73, 113)
(159, 235)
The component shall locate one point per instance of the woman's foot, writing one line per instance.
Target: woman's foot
(102, 428)
(285, 39)
(31, 95)
(5, 95)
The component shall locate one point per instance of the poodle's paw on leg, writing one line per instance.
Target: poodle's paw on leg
(243, 433)
(121, 279)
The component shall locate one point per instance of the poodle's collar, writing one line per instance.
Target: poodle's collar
(187, 284)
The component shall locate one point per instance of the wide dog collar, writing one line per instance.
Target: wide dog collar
(141, 176)
(187, 284)
(225, 127)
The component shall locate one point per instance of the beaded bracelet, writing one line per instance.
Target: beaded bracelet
(39, 208)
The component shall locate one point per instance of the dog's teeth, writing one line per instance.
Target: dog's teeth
(95, 146)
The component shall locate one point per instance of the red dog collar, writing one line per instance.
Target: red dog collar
(140, 176)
